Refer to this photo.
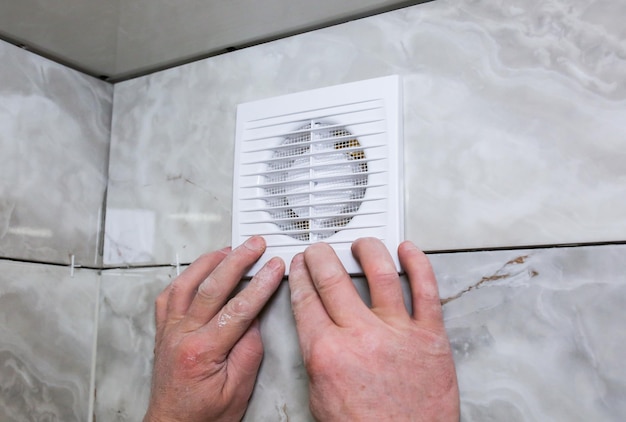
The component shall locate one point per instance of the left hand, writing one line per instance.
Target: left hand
(208, 348)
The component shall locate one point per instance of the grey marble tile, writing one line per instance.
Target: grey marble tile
(512, 126)
(537, 335)
(126, 341)
(54, 138)
(512, 122)
(281, 391)
(46, 342)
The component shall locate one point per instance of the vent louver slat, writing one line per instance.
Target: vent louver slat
(321, 165)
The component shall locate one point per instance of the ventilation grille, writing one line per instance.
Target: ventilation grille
(317, 166)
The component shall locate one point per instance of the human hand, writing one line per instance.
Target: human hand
(373, 364)
(208, 349)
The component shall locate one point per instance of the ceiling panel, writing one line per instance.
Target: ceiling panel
(118, 39)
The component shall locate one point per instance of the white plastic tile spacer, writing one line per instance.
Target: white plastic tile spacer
(177, 265)
(73, 265)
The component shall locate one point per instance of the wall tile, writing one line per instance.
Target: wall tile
(126, 341)
(536, 335)
(281, 390)
(54, 138)
(512, 120)
(46, 341)
(170, 172)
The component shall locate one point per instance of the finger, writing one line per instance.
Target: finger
(183, 288)
(244, 361)
(217, 286)
(382, 277)
(424, 290)
(308, 310)
(333, 284)
(234, 319)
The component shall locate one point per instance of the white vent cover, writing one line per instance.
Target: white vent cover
(322, 165)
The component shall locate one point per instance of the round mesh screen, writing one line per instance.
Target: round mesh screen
(318, 177)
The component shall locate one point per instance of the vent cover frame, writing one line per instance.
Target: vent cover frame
(300, 156)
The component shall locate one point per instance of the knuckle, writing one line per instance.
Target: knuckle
(440, 345)
(192, 354)
(429, 296)
(175, 289)
(385, 277)
(238, 308)
(236, 312)
(301, 297)
(319, 359)
(328, 281)
(207, 289)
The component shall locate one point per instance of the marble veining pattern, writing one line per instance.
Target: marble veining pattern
(126, 341)
(537, 335)
(46, 337)
(187, 190)
(520, 141)
(513, 136)
(54, 140)
(512, 124)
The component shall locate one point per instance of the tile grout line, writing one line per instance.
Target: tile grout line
(105, 197)
(94, 353)
(427, 252)
(91, 416)
(526, 247)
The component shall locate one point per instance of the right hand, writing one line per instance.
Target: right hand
(373, 364)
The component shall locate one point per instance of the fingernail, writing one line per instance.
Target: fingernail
(274, 263)
(407, 244)
(255, 243)
(297, 261)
